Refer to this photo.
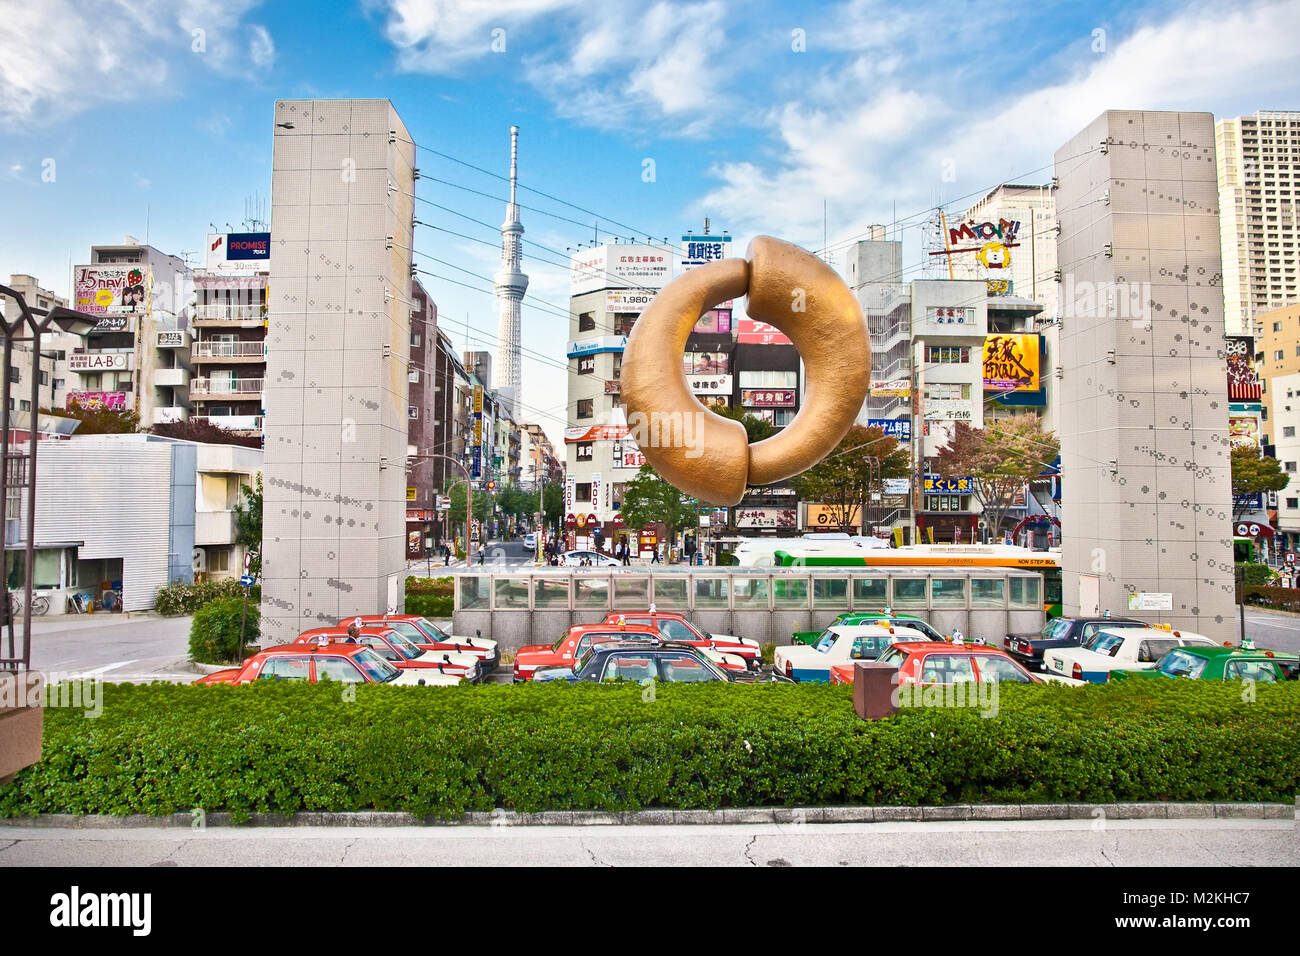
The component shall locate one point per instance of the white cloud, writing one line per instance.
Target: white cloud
(261, 48)
(438, 36)
(60, 57)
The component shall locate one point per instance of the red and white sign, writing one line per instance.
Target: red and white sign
(768, 397)
(595, 433)
(618, 520)
(111, 400)
(753, 332)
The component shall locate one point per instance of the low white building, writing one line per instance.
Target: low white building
(132, 513)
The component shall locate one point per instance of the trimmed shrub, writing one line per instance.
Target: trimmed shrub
(1254, 574)
(430, 606)
(214, 632)
(180, 597)
(287, 747)
(441, 587)
(1282, 599)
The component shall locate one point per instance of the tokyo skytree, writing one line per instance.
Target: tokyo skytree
(510, 284)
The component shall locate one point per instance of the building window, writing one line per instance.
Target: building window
(585, 407)
(1293, 503)
(1288, 431)
(58, 384)
(1290, 466)
(586, 364)
(1277, 326)
(623, 323)
(586, 322)
(946, 354)
(947, 502)
(218, 559)
(14, 374)
(1278, 355)
(768, 378)
(582, 492)
(585, 450)
(415, 340)
(45, 376)
(412, 411)
(24, 406)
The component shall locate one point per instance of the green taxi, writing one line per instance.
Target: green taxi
(859, 618)
(1230, 662)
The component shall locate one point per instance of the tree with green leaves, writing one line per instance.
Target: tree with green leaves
(553, 502)
(99, 419)
(1000, 459)
(846, 478)
(648, 499)
(1253, 476)
(248, 523)
(756, 429)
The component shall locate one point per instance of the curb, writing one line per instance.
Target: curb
(752, 816)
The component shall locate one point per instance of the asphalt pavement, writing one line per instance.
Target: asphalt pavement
(1194, 842)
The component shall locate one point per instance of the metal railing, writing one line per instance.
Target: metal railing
(228, 313)
(220, 386)
(229, 350)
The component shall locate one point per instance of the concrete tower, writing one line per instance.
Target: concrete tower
(511, 284)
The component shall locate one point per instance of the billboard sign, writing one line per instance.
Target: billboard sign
(1011, 363)
(900, 428)
(936, 485)
(1243, 431)
(110, 290)
(900, 388)
(701, 250)
(620, 267)
(767, 517)
(753, 332)
(768, 397)
(627, 300)
(234, 253)
(714, 322)
(710, 384)
(99, 361)
(599, 343)
(116, 401)
(1243, 382)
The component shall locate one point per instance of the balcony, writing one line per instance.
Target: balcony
(233, 423)
(229, 316)
(214, 527)
(226, 388)
(165, 414)
(171, 377)
(229, 352)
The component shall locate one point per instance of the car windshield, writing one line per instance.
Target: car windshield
(894, 657)
(1108, 644)
(405, 646)
(826, 641)
(580, 664)
(1055, 630)
(374, 666)
(1179, 663)
(432, 631)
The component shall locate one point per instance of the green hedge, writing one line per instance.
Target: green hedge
(440, 586)
(180, 597)
(1283, 599)
(429, 605)
(283, 748)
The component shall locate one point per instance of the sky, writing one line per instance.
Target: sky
(153, 118)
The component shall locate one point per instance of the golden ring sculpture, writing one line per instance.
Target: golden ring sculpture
(705, 455)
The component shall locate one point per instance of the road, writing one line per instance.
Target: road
(115, 647)
(1275, 631)
(1193, 842)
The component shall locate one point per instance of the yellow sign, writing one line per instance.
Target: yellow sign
(478, 399)
(410, 494)
(1011, 363)
(826, 516)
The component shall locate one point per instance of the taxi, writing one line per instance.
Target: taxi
(673, 626)
(398, 650)
(575, 642)
(315, 663)
(949, 662)
(431, 637)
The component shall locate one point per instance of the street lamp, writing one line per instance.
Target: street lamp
(19, 469)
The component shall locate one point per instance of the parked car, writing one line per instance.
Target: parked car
(1059, 632)
(674, 626)
(530, 541)
(1223, 663)
(855, 618)
(431, 637)
(1121, 648)
(598, 559)
(398, 650)
(347, 663)
(577, 639)
(840, 644)
(944, 662)
(656, 660)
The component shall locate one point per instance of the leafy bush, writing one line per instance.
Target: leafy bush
(429, 605)
(1252, 573)
(214, 632)
(180, 597)
(439, 586)
(287, 747)
(1282, 599)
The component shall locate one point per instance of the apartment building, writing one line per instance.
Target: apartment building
(1258, 174)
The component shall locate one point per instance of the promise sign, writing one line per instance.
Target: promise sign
(1011, 363)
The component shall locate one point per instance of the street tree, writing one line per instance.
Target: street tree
(248, 522)
(756, 429)
(1000, 459)
(99, 419)
(553, 504)
(845, 479)
(648, 499)
(202, 430)
(1253, 476)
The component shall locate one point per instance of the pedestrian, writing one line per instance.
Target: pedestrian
(626, 556)
(655, 559)
(482, 553)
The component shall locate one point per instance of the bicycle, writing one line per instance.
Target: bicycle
(40, 604)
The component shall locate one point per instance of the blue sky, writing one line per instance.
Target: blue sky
(155, 116)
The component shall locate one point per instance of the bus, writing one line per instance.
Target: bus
(1048, 563)
(761, 552)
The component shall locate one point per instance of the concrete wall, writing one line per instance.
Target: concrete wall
(1144, 452)
(337, 356)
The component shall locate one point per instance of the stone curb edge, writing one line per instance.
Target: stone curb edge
(758, 815)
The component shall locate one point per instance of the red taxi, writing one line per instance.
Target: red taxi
(398, 650)
(673, 626)
(943, 662)
(431, 637)
(574, 643)
(346, 663)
